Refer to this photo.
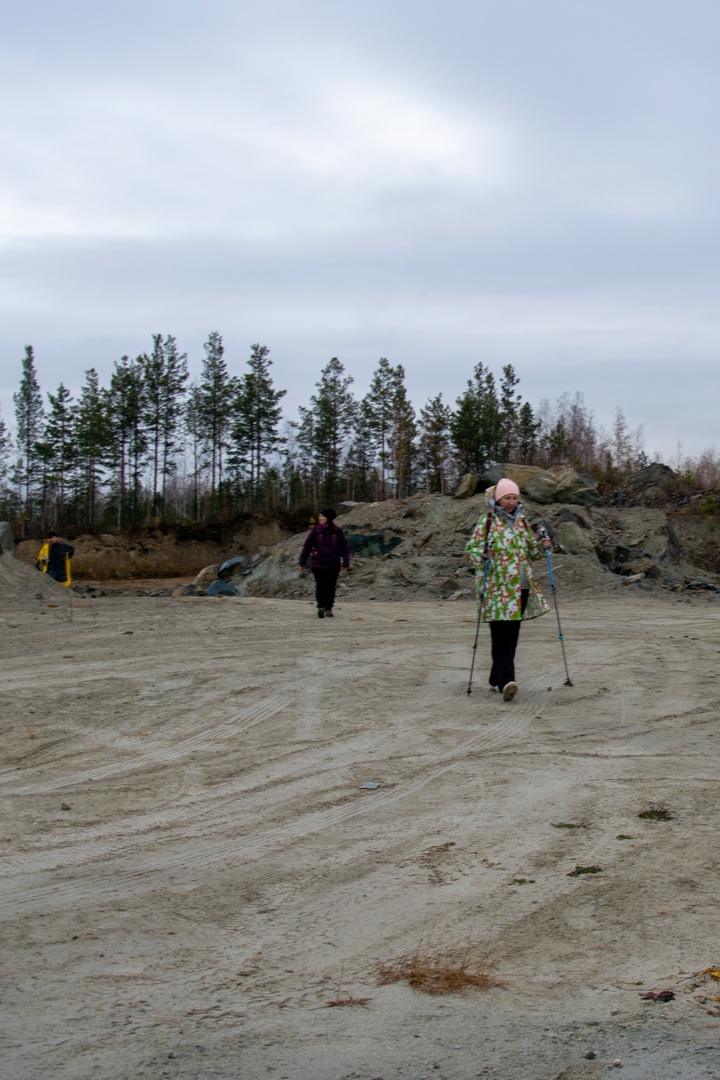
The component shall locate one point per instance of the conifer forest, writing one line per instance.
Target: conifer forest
(154, 447)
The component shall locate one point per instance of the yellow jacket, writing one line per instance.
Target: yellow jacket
(44, 558)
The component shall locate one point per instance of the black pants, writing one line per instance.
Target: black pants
(325, 583)
(503, 642)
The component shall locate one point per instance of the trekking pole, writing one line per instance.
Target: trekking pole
(477, 628)
(543, 535)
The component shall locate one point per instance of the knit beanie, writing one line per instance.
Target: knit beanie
(506, 487)
(329, 514)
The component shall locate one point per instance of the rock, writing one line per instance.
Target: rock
(574, 539)
(369, 545)
(206, 576)
(231, 567)
(521, 474)
(656, 485)
(467, 486)
(575, 487)
(221, 588)
(563, 484)
(541, 488)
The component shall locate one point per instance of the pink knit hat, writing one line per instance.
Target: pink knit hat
(506, 487)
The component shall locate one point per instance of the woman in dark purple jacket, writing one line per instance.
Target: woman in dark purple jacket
(326, 545)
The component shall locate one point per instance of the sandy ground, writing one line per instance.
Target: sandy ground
(191, 868)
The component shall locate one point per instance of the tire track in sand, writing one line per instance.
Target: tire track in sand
(109, 871)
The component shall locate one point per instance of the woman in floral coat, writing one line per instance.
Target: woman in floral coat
(506, 542)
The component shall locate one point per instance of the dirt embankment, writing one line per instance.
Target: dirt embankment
(160, 553)
(414, 548)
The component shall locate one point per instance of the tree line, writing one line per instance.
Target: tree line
(155, 447)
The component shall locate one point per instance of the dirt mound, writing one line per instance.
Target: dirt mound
(415, 549)
(23, 587)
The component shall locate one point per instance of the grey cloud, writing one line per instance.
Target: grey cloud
(526, 183)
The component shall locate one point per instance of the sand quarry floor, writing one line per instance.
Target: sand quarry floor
(192, 870)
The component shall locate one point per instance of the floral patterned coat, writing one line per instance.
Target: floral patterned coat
(514, 548)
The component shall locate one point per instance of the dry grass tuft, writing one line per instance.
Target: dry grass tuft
(347, 999)
(340, 1000)
(656, 811)
(436, 971)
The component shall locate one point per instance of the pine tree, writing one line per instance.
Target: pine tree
(555, 444)
(213, 402)
(165, 375)
(5, 444)
(435, 418)
(59, 443)
(129, 441)
(527, 434)
(378, 408)
(92, 443)
(257, 419)
(325, 427)
(403, 431)
(8, 501)
(361, 456)
(475, 425)
(194, 433)
(509, 414)
(29, 418)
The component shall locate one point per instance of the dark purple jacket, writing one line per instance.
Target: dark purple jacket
(328, 547)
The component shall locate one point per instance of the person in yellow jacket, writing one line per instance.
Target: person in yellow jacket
(54, 558)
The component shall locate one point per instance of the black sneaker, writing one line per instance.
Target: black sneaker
(321, 613)
(329, 615)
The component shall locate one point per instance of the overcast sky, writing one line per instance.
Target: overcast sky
(440, 182)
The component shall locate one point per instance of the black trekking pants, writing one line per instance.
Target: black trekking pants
(325, 584)
(503, 643)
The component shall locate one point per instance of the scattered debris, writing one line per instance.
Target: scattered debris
(584, 870)
(370, 785)
(697, 584)
(713, 972)
(661, 995)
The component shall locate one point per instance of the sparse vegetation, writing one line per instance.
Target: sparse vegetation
(347, 999)
(579, 870)
(440, 971)
(657, 811)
